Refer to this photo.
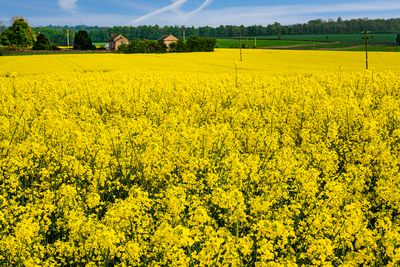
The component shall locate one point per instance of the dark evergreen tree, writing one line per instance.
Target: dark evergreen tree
(398, 39)
(42, 43)
(82, 41)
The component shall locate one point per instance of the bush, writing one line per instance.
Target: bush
(179, 46)
(82, 41)
(42, 43)
(143, 46)
(193, 44)
(8, 50)
(197, 44)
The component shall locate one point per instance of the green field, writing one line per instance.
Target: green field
(351, 38)
(252, 42)
(378, 48)
(378, 42)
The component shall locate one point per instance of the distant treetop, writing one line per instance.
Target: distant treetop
(19, 34)
(57, 34)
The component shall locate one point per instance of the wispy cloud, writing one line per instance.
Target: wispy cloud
(68, 5)
(250, 15)
(205, 14)
(174, 6)
(180, 17)
(192, 13)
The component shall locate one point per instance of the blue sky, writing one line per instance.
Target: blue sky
(190, 12)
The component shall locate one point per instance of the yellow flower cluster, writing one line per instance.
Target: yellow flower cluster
(175, 168)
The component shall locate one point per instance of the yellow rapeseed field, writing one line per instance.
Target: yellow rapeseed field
(285, 159)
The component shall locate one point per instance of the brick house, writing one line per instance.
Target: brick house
(117, 40)
(169, 39)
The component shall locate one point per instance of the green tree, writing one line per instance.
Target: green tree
(398, 39)
(82, 41)
(42, 43)
(4, 39)
(2, 27)
(19, 34)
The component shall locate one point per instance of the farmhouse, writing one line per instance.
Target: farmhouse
(116, 41)
(169, 39)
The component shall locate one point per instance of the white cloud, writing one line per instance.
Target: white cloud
(180, 17)
(172, 7)
(68, 5)
(246, 15)
(250, 15)
(192, 13)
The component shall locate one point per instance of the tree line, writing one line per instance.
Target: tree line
(57, 34)
(20, 35)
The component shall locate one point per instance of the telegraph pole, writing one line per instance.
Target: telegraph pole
(366, 37)
(67, 37)
(240, 45)
(366, 42)
(183, 29)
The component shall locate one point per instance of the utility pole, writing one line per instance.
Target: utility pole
(255, 42)
(183, 29)
(67, 37)
(240, 45)
(366, 37)
(366, 42)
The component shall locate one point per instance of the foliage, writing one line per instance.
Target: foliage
(19, 34)
(4, 50)
(398, 39)
(193, 44)
(176, 166)
(143, 46)
(354, 26)
(197, 44)
(82, 41)
(179, 46)
(4, 39)
(42, 43)
(2, 27)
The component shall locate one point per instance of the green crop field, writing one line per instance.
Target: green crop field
(251, 42)
(353, 38)
(378, 48)
(378, 42)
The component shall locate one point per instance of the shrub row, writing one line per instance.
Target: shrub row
(192, 44)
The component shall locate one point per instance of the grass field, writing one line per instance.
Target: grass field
(289, 158)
